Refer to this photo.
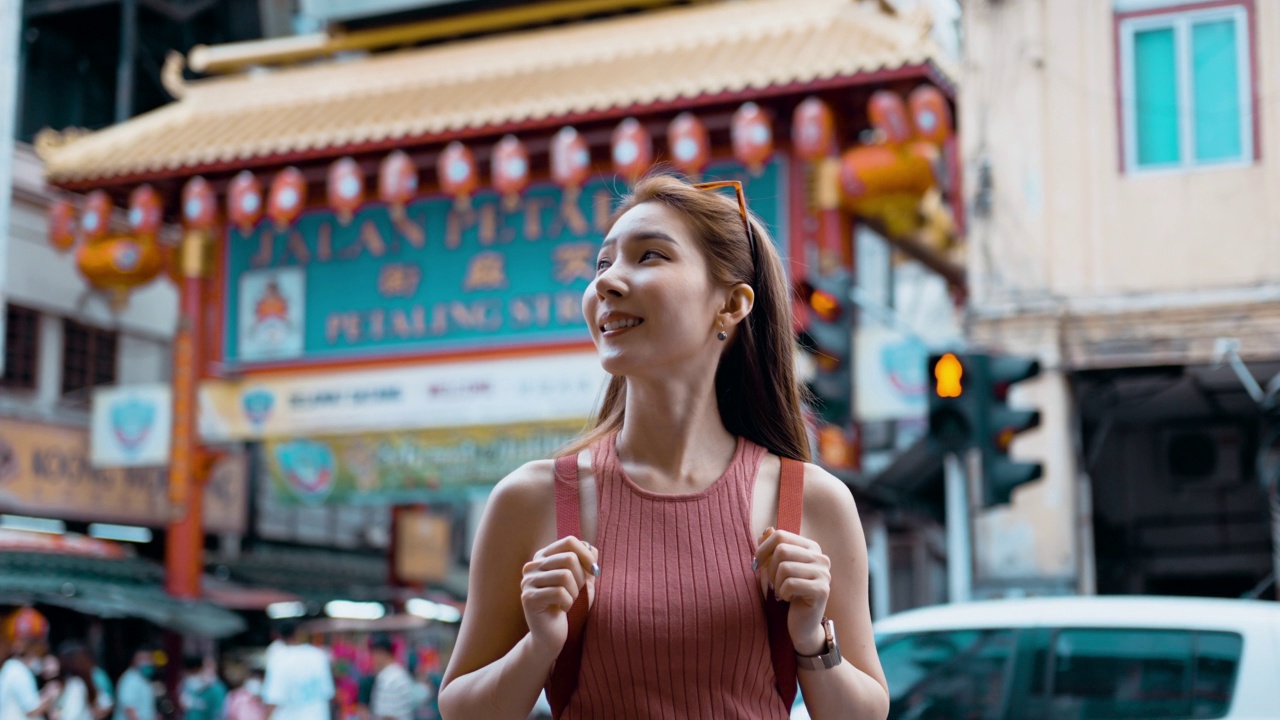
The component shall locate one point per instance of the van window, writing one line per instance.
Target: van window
(1098, 674)
(943, 675)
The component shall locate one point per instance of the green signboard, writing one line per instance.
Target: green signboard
(433, 277)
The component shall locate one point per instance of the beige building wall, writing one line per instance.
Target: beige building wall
(1087, 265)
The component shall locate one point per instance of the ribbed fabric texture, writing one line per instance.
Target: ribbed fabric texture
(677, 630)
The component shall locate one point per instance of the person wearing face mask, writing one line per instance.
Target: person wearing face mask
(135, 700)
(203, 692)
(245, 702)
(24, 633)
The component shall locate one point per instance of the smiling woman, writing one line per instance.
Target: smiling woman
(680, 559)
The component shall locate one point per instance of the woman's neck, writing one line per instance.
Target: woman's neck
(672, 438)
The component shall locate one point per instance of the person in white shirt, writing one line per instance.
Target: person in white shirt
(135, 700)
(299, 679)
(395, 694)
(80, 699)
(19, 697)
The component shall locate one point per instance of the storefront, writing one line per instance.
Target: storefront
(388, 328)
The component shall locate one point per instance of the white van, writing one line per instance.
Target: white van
(1081, 658)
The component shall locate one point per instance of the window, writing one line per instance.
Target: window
(21, 347)
(943, 675)
(1103, 674)
(1186, 91)
(88, 357)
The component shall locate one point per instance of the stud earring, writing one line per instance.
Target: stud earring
(723, 336)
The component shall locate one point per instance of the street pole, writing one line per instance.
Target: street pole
(188, 467)
(959, 542)
(10, 39)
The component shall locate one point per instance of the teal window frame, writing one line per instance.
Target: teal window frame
(1181, 24)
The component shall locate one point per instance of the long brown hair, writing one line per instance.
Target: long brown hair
(756, 387)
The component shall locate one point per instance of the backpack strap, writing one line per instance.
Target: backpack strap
(563, 680)
(783, 653)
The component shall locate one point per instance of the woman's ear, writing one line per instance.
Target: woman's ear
(737, 305)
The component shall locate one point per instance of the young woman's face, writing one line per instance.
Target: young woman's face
(652, 306)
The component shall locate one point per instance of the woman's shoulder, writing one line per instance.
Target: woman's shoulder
(827, 499)
(525, 496)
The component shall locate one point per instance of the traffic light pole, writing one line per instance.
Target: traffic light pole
(959, 532)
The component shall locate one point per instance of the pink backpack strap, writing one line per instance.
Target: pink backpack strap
(783, 653)
(563, 680)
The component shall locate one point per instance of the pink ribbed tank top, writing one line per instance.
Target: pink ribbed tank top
(677, 630)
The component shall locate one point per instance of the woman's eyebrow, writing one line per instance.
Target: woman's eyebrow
(642, 235)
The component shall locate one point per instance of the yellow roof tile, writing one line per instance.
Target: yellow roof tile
(559, 72)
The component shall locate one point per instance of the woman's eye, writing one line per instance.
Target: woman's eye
(601, 264)
(648, 254)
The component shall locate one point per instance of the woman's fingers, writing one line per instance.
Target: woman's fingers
(562, 562)
(587, 555)
(557, 596)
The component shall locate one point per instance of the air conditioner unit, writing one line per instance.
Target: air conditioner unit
(1206, 456)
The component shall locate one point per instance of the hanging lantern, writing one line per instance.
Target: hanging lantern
(62, 225)
(570, 158)
(752, 137)
(244, 201)
(632, 149)
(346, 188)
(119, 264)
(456, 168)
(510, 170)
(199, 209)
(397, 182)
(145, 209)
(690, 144)
(889, 115)
(97, 215)
(930, 114)
(813, 130)
(287, 197)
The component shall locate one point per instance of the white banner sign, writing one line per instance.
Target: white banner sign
(131, 426)
(488, 392)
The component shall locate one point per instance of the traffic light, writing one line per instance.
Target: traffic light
(829, 338)
(968, 408)
(1000, 474)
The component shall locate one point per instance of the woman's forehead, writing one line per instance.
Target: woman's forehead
(649, 218)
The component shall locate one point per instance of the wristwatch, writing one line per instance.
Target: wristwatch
(830, 655)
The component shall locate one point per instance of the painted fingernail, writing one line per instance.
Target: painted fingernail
(595, 569)
(755, 564)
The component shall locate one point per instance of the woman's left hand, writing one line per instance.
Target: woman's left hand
(800, 574)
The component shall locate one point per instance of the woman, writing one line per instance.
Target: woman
(79, 696)
(658, 526)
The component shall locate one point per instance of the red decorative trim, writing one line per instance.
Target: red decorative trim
(926, 71)
(385, 360)
(1251, 20)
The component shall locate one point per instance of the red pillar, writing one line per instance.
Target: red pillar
(184, 550)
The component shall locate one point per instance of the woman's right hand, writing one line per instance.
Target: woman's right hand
(551, 583)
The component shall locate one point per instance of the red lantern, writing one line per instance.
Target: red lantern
(62, 225)
(456, 168)
(930, 114)
(199, 208)
(287, 197)
(97, 215)
(570, 158)
(510, 170)
(889, 115)
(244, 201)
(690, 145)
(346, 188)
(397, 182)
(752, 137)
(632, 149)
(145, 209)
(813, 130)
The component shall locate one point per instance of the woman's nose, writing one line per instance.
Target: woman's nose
(611, 282)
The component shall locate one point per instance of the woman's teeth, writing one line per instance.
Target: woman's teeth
(619, 324)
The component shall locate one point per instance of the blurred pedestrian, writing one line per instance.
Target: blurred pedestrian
(299, 678)
(202, 692)
(135, 699)
(696, 478)
(79, 698)
(20, 697)
(245, 702)
(395, 693)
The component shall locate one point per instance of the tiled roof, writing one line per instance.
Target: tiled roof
(540, 77)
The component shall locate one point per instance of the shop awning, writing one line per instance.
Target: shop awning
(913, 480)
(681, 57)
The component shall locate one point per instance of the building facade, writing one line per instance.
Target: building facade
(1119, 177)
